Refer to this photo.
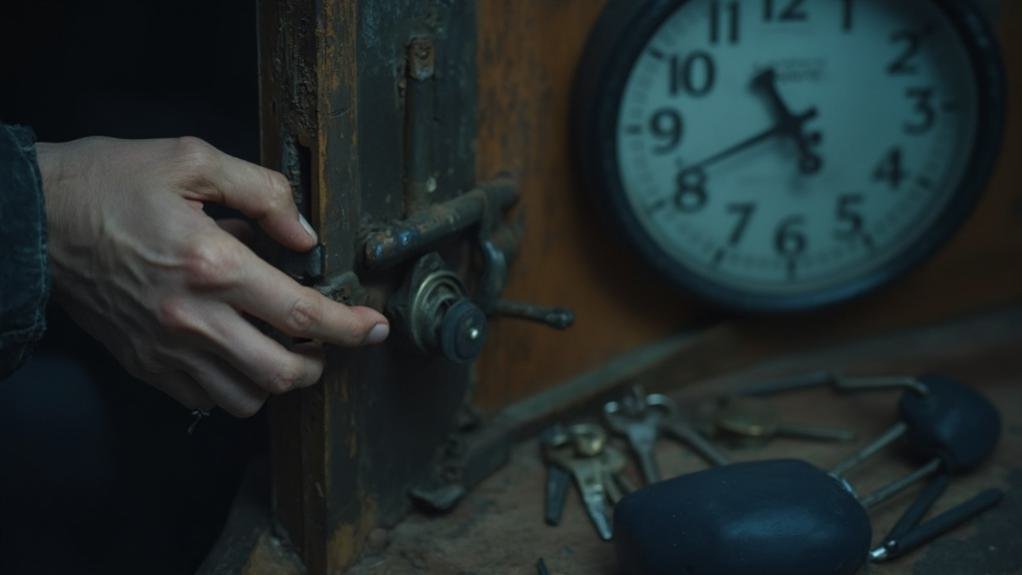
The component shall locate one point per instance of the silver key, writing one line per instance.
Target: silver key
(558, 481)
(639, 422)
(684, 432)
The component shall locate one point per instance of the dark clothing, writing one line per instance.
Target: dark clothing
(24, 278)
(98, 474)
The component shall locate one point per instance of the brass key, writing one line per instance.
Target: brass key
(582, 455)
(755, 421)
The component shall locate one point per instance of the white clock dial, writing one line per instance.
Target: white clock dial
(779, 147)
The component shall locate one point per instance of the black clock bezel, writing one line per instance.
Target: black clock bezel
(621, 34)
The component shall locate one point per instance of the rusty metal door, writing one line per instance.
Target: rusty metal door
(368, 107)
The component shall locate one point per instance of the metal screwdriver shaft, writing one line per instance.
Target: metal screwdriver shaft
(922, 503)
(897, 486)
(856, 384)
(888, 437)
(937, 526)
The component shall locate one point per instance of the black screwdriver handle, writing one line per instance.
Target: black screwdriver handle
(915, 512)
(944, 522)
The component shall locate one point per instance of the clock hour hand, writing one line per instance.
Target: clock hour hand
(789, 123)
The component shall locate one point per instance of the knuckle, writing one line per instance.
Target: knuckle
(209, 263)
(278, 197)
(303, 315)
(279, 186)
(284, 379)
(176, 315)
(195, 153)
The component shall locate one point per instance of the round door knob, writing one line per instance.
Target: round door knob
(462, 331)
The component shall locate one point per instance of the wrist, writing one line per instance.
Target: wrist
(48, 158)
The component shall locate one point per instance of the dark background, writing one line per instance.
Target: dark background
(97, 472)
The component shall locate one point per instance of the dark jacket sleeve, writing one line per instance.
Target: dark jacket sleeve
(24, 278)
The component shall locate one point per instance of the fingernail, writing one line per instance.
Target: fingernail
(308, 227)
(379, 333)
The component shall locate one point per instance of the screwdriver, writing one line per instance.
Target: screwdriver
(894, 547)
(951, 426)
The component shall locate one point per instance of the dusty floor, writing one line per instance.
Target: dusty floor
(499, 527)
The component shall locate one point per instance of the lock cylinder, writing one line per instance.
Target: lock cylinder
(442, 318)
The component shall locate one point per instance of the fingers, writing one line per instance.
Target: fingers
(183, 389)
(240, 229)
(261, 194)
(267, 293)
(264, 361)
(226, 386)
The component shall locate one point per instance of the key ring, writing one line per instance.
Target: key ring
(634, 407)
(198, 415)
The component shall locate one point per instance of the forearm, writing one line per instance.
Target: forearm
(24, 277)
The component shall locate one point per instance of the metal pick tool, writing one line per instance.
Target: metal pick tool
(834, 381)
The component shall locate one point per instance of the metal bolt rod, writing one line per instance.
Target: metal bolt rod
(555, 317)
(413, 236)
(888, 437)
(895, 487)
(420, 113)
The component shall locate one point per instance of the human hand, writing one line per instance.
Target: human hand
(139, 265)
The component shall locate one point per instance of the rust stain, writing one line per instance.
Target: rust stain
(348, 539)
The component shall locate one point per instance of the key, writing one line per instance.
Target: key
(755, 420)
(686, 433)
(590, 441)
(580, 457)
(614, 464)
(558, 479)
(639, 422)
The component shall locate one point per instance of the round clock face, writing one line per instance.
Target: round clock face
(783, 154)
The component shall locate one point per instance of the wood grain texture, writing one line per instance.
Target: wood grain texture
(527, 50)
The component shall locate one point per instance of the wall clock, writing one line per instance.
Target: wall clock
(777, 155)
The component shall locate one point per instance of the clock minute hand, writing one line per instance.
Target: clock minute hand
(734, 149)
